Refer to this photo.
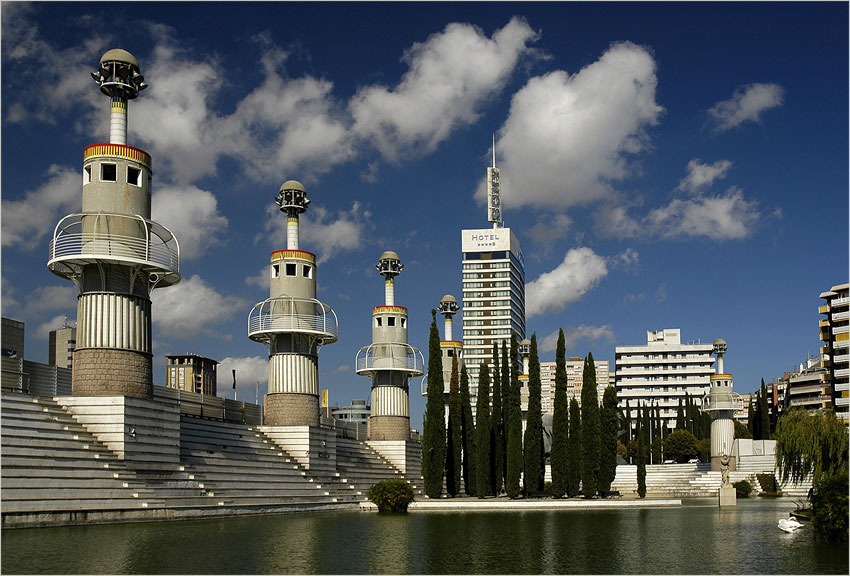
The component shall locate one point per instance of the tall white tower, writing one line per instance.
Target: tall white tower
(722, 403)
(493, 284)
(389, 360)
(113, 252)
(292, 323)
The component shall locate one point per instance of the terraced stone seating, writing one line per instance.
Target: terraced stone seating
(363, 467)
(51, 463)
(240, 466)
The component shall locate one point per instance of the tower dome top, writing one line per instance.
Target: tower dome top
(525, 342)
(720, 342)
(448, 298)
(120, 55)
(292, 185)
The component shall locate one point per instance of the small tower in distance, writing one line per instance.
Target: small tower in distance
(292, 323)
(722, 403)
(113, 252)
(389, 360)
(449, 347)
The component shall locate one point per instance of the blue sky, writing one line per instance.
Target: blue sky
(665, 165)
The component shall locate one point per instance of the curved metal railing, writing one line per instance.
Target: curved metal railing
(155, 247)
(287, 314)
(722, 401)
(389, 356)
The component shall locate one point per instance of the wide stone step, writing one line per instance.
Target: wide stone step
(75, 504)
(65, 493)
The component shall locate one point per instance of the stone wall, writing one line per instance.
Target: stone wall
(291, 410)
(389, 428)
(109, 372)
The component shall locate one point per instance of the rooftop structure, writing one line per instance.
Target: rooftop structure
(192, 373)
(113, 252)
(60, 345)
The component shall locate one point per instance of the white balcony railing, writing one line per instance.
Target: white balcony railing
(293, 315)
(81, 239)
(393, 356)
(722, 401)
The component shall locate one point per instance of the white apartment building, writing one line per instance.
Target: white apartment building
(835, 335)
(575, 379)
(661, 372)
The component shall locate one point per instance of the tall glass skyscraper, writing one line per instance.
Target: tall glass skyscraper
(493, 285)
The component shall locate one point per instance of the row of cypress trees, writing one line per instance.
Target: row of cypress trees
(491, 454)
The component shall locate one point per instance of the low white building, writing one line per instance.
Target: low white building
(661, 372)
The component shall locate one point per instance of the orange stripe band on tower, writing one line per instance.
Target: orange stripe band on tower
(299, 254)
(117, 150)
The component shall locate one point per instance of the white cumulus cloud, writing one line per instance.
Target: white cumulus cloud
(192, 215)
(192, 307)
(26, 221)
(573, 335)
(449, 77)
(249, 371)
(726, 216)
(569, 136)
(701, 175)
(581, 270)
(746, 105)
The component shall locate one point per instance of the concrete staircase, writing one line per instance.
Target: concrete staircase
(51, 463)
(239, 466)
(363, 467)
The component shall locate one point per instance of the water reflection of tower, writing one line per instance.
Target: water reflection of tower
(292, 323)
(389, 360)
(113, 252)
(722, 403)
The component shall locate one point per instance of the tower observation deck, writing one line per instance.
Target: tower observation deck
(292, 323)
(113, 251)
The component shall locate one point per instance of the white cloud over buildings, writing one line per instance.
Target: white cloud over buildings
(568, 137)
(27, 221)
(193, 307)
(192, 215)
(746, 105)
(575, 334)
(580, 271)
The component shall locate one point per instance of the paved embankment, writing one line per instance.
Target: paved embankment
(473, 504)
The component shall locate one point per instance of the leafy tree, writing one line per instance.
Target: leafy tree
(741, 431)
(817, 444)
(533, 444)
(574, 450)
(391, 495)
(680, 416)
(506, 393)
(514, 453)
(497, 427)
(560, 421)
(764, 412)
(482, 434)
(608, 439)
(467, 431)
(641, 465)
(680, 446)
(454, 445)
(590, 430)
(434, 434)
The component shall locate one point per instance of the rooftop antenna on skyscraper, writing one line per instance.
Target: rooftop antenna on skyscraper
(494, 192)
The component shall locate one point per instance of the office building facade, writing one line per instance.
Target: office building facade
(191, 373)
(60, 346)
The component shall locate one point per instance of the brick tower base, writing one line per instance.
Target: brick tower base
(284, 409)
(109, 372)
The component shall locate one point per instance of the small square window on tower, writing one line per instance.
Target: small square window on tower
(134, 176)
(391, 321)
(290, 269)
(275, 270)
(87, 174)
(108, 172)
(307, 271)
(378, 322)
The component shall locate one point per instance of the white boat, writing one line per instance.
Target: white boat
(789, 525)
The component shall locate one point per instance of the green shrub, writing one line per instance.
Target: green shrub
(393, 495)
(742, 488)
(829, 507)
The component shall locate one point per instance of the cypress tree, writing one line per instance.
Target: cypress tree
(627, 419)
(574, 450)
(560, 421)
(498, 430)
(641, 466)
(467, 432)
(506, 392)
(514, 453)
(750, 417)
(764, 411)
(482, 428)
(757, 417)
(453, 435)
(680, 416)
(608, 439)
(589, 430)
(533, 444)
(434, 434)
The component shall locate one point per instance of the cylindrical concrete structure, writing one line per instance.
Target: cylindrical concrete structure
(292, 323)
(389, 361)
(722, 403)
(113, 251)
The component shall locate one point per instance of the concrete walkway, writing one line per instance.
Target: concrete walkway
(466, 504)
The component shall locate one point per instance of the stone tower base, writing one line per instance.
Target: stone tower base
(110, 372)
(389, 428)
(291, 410)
